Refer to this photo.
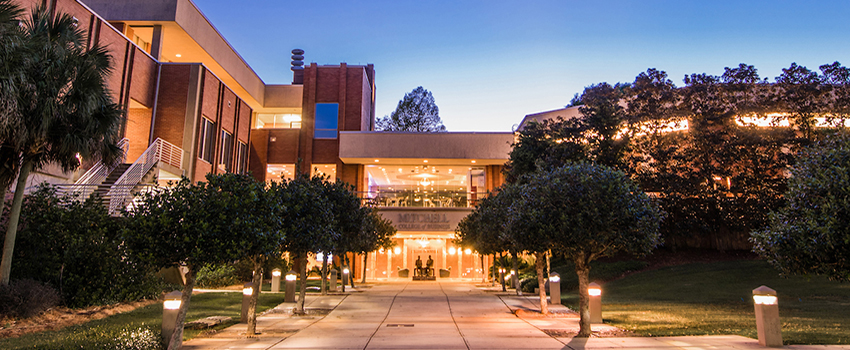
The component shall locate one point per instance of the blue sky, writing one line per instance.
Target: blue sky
(489, 63)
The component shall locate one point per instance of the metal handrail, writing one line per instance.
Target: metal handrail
(428, 199)
(120, 194)
(87, 184)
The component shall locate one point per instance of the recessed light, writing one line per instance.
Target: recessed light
(473, 162)
(178, 55)
(377, 160)
(425, 161)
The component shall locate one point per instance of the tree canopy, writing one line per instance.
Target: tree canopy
(416, 112)
(811, 235)
(61, 107)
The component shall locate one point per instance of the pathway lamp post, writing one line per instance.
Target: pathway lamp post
(275, 280)
(554, 288)
(169, 314)
(247, 290)
(289, 296)
(767, 317)
(345, 277)
(594, 290)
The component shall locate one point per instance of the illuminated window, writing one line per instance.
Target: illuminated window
(207, 140)
(326, 170)
(278, 121)
(327, 120)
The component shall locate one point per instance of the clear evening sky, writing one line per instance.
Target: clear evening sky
(489, 63)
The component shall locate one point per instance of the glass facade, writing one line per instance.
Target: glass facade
(326, 170)
(424, 185)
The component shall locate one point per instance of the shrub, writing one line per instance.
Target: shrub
(77, 248)
(217, 276)
(26, 298)
(128, 338)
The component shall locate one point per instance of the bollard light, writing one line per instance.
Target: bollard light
(247, 290)
(289, 297)
(594, 290)
(275, 280)
(554, 288)
(768, 327)
(170, 307)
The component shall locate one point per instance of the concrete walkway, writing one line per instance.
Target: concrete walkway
(433, 315)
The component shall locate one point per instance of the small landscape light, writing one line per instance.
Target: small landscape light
(247, 290)
(594, 290)
(290, 276)
(276, 280)
(169, 314)
(289, 296)
(554, 288)
(554, 278)
(768, 325)
(172, 300)
(276, 272)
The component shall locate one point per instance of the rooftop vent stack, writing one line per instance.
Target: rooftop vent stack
(297, 66)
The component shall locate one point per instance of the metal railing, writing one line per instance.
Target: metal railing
(121, 193)
(89, 182)
(422, 199)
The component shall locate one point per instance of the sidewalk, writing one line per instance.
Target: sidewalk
(435, 315)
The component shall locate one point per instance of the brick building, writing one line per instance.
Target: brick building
(194, 106)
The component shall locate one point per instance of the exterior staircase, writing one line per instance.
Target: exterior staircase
(118, 184)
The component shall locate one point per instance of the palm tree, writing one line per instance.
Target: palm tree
(65, 108)
(10, 44)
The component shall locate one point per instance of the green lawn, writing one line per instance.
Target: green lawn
(148, 319)
(716, 298)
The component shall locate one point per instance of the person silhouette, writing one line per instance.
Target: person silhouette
(430, 265)
(418, 265)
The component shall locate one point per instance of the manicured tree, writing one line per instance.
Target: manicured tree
(528, 233)
(485, 229)
(63, 105)
(603, 123)
(185, 225)
(349, 220)
(589, 212)
(800, 93)
(811, 235)
(308, 223)
(377, 234)
(249, 212)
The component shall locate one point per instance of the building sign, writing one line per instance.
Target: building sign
(419, 220)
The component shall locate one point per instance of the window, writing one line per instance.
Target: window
(241, 157)
(226, 163)
(207, 140)
(277, 121)
(327, 119)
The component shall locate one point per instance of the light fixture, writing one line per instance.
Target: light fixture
(178, 55)
(397, 250)
(473, 162)
(594, 290)
(345, 271)
(276, 272)
(291, 276)
(425, 161)
(172, 300)
(377, 160)
(467, 251)
(452, 250)
(247, 289)
(423, 242)
(554, 278)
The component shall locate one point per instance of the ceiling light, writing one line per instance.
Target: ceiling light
(425, 161)
(178, 55)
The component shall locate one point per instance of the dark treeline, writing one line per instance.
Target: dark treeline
(714, 152)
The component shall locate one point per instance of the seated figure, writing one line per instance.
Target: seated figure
(430, 264)
(418, 271)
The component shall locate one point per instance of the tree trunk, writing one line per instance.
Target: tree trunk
(495, 270)
(583, 272)
(365, 255)
(325, 274)
(257, 283)
(541, 282)
(483, 271)
(177, 337)
(502, 275)
(302, 293)
(351, 268)
(12, 229)
(515, 274)
(342, 265)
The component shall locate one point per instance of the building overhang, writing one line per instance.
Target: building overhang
(448, 148)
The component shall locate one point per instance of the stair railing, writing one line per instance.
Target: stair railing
(121, 193)
(89, 182)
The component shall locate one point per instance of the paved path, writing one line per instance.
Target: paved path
(433, 315)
